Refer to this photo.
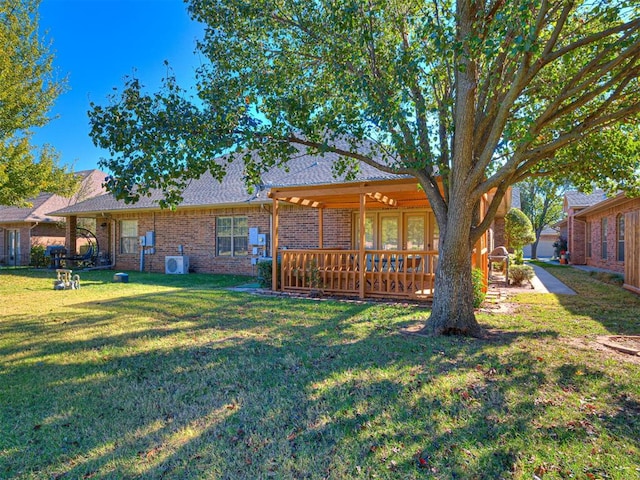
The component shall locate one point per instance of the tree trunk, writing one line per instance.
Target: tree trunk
(534, 249)
(452, 312)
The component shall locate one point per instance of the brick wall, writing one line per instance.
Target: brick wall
(576, 245)
(48, 234)
(299, 227)
(611, 214)
(499, 238)
(195, 230)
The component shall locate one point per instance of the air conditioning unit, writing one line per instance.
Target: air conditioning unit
(178, 264)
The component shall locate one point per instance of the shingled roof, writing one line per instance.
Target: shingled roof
(43, 204)
(302, 170)
(573, 199)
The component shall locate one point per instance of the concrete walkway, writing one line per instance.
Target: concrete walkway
(544, 282)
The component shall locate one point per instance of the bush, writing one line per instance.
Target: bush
(606, 277)
(38, 258)
(517, 257)
(560, 245)
(520, 273)
(479, 294)
(518, 229)
(264, 273)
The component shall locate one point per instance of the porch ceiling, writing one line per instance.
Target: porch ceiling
(387, 193)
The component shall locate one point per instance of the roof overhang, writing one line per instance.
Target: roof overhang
(619, 199)
(404, 192)
(129, 209)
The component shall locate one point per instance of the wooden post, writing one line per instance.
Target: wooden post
(274, 247)
(361, 254)
(321, 228)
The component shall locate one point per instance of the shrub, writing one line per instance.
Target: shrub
(519, 232)
(560, 245)
(520, 273)
(479, 294)
(38, 258)
(606, 277)
(517, 257)
(264, 273)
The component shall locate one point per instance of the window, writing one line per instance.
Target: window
(414, 231)
(620, 237)
(603, 237)
(232, 236)
(402, 230)
(369, 228)
(588, 239)
(129, 236)
(389, 232)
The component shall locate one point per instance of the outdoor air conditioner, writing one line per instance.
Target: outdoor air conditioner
(178, 264)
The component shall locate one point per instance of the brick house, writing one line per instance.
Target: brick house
(24, 227)
(221, 228)
(604, 233)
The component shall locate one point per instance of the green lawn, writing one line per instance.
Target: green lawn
(175, 377)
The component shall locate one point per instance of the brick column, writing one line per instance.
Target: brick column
(103, 228)
(71, 235)
(576, 244)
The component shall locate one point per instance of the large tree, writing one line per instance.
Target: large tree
(477, 94)
(541, 202)
(28, 89)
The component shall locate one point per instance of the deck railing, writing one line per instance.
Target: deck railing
(385, 273)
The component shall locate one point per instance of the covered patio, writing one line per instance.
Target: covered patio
(394, 250)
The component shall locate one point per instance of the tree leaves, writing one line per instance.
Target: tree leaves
(28, 90)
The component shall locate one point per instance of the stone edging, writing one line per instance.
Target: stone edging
(609, 341)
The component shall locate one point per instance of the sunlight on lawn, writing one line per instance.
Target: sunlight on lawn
(188, 380)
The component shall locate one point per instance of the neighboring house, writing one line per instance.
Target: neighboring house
(23, 227)
(605, 233)
(220, 228)
(573, 229)
(548, 237)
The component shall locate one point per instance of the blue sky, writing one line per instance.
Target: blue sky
(98, 42)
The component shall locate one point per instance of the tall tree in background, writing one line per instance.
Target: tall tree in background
(466, 96)
(541, 201)
(28, 90)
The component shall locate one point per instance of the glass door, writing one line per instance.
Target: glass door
(13, 247)
(415, 228)
(389, 232)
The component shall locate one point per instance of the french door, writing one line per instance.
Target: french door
(13, 247)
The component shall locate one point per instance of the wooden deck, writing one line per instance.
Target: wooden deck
(381, 273)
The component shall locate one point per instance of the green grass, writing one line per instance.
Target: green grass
(175, 377)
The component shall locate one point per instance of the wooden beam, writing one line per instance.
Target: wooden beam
(274, 247)
(320, 227)
(363, 262)
(382, 198)
(305, 202)
(337, 190)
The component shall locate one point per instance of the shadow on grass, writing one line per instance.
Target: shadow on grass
(205, 383)
(611, 306)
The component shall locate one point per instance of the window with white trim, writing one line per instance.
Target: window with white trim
(620, 237)
(129, 236)
(232, 236)
(603, 238)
